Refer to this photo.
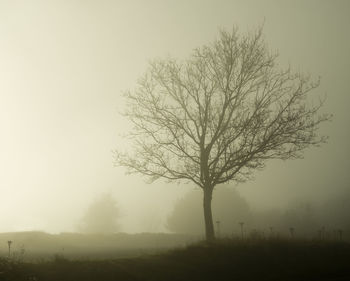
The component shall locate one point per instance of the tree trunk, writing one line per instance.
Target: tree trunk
(208, 218)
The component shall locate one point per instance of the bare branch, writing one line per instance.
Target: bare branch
(219, 115)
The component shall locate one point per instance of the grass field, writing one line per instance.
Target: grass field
(229, 259)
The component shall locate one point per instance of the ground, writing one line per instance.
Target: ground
(226, 259)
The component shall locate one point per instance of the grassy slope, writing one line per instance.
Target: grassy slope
(224, 260)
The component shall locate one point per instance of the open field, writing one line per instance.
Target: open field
(34, 246)
(231, 259)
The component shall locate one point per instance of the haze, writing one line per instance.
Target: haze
(65, 64)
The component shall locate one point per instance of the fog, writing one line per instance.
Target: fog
(64, 66)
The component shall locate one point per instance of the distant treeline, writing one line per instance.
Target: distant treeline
(233, 216)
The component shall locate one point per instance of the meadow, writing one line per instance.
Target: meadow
(225, 259)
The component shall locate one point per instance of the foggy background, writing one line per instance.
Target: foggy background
(65, 64)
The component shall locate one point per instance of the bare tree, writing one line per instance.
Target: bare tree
(219, 115)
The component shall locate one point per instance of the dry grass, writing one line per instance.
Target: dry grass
(229, 259)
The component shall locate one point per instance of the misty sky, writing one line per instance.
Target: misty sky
(65, 64)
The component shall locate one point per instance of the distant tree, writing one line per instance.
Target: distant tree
(334, 212)
(219, 116)
(228, 207)
(301, 215)
(150, 221)
(101, 216)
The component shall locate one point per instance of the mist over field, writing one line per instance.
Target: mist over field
(64, 67)
(174, 140)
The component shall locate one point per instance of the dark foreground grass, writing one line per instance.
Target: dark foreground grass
(222, 260)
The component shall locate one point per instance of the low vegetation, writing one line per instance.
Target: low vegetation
(224, 259)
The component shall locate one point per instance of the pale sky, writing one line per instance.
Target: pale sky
(65, 64)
